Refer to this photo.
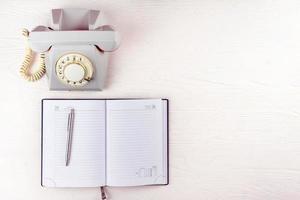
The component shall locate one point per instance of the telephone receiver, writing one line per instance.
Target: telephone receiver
(73, 50)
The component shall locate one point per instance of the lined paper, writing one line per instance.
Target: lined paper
(115, 143)
(87, 163)
(136, 143)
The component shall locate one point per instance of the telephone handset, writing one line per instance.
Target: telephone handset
(73, 51)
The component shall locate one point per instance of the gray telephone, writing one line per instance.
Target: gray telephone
(73, 51)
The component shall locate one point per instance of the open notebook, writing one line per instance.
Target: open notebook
(116, 142)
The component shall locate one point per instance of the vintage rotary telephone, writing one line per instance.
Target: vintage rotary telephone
(73, 51)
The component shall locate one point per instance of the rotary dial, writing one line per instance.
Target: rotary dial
(74, 69)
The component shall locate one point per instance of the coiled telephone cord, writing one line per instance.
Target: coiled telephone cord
(26, 65)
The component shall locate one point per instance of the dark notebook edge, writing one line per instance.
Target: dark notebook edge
(168, 148)
(42, 124)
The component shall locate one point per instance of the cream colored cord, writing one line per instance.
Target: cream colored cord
(26, 65)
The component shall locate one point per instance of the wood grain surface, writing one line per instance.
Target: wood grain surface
(231, 70)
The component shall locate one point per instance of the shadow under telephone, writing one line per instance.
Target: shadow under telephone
(73, 50)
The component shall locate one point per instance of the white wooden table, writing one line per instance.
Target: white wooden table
(231, 70)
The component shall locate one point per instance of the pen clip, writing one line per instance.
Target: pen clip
(70, 119)
(69, 122)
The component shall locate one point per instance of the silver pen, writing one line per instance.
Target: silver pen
(71, 117)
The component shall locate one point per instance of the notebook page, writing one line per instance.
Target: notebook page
(136, 143)
(87, 163)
